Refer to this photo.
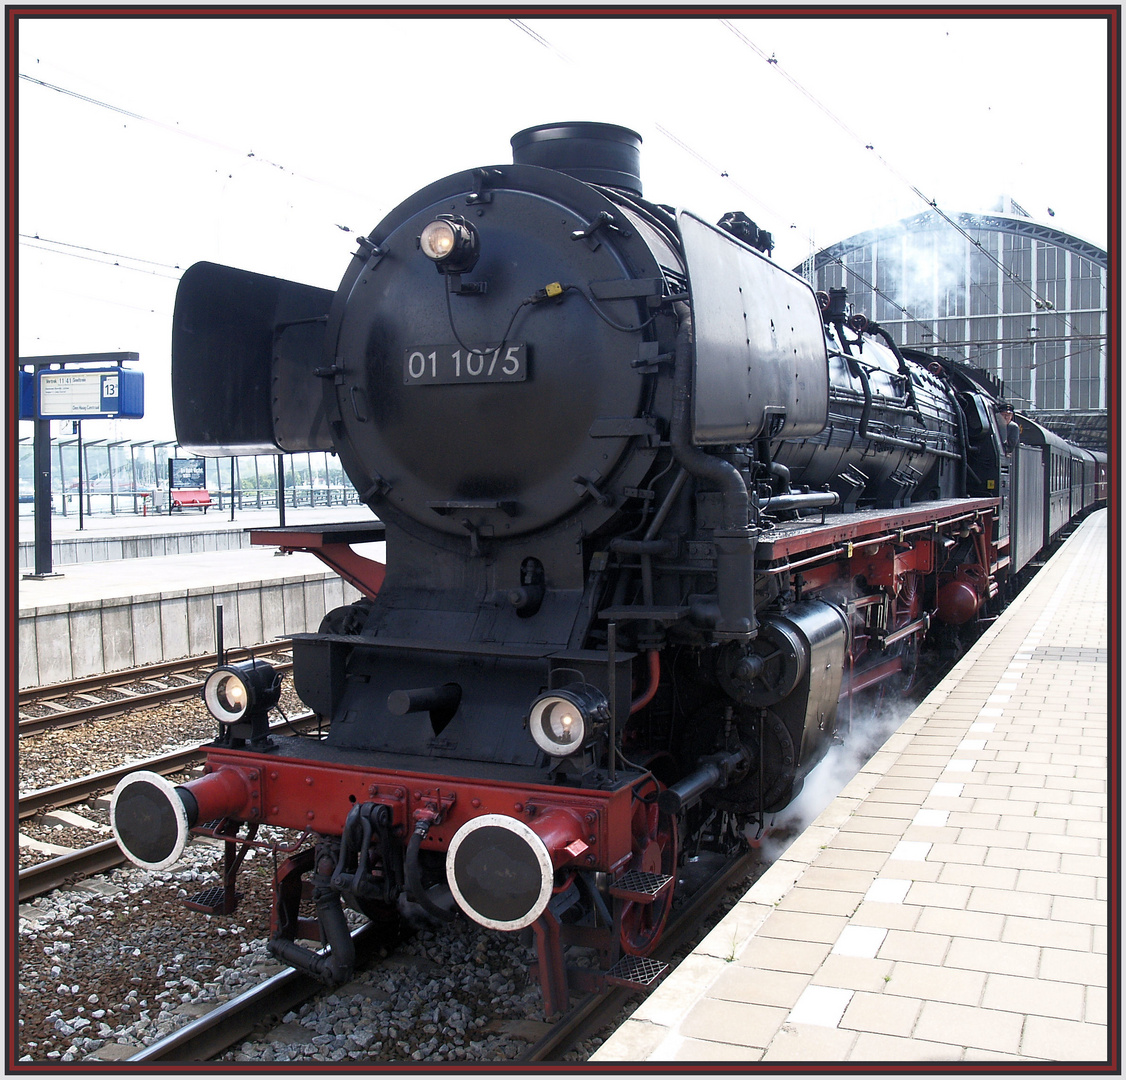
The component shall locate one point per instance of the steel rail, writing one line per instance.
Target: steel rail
(105, 854)
(45, 876)
(31, 694)
(72, 791)
(233, 1020)
(32, 725)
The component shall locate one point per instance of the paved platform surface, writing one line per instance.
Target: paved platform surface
(102, 525)
(951, 904)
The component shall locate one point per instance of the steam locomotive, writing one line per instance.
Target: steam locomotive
(654, 513)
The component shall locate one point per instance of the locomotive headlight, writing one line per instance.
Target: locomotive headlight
(452, 243)
(437, 240)
(563, 721)
(234, 691)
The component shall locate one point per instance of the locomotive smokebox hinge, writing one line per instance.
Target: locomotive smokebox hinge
(650, 357)
(368, 251)
(583, 484)
(589, 235)
(335, 372)
(379, 488)
(481, 193)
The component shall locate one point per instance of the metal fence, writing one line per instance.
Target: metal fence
(132, 478)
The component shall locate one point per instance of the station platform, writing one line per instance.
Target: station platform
(951, 903)
(146, 591)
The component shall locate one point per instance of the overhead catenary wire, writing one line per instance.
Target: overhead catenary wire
(35, 241)
(772, 61)
(687, 148)
(178, 129)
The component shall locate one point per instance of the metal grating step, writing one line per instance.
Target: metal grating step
(211, 901)
(637, 972)
(640, 886)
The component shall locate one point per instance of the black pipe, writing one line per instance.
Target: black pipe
(734, 540)
(904, 370)
(783, 474)
(691, 789)
(775, 468)
(444, 698)
(337, 964)
(416, 889)
(662, 514)
(964, 441)
(704, 466)
(866, 412)
(811, 500)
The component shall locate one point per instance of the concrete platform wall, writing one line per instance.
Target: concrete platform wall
(89, 637)
(70, 550)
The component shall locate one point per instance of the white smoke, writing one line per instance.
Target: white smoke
(860, 737)
(926, 273)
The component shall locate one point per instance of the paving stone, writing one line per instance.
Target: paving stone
(810, 1042)
(757, 986)
(874, 1047)
(1062, 965)
(882, 1013)
(935, 983)
(756, 1024)
(1036, 997)
(972, 924)
(981, 1029)
(914, 947)
(703, 1050)
(989, 956)
(1009, 902)
(1062, 1040)
(803, 926)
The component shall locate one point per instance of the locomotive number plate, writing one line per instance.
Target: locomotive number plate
(433, 364)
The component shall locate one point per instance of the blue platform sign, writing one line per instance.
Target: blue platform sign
(104, 394)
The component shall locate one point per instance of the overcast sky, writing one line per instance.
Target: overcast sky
(147, 144)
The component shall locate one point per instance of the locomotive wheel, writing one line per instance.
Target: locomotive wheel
(908, 607)
(655, 844)
(779, 766)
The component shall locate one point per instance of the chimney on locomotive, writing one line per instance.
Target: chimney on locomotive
(593, 153)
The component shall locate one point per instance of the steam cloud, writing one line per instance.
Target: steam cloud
(868, 732)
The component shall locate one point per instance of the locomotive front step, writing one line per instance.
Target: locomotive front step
(641, 887)
(213, 901)
(637, 972)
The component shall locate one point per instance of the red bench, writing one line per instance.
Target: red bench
(197, 497)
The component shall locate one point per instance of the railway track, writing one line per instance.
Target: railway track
(105, 854)
(590, 1013)
(100, 696)
(233, 1021)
